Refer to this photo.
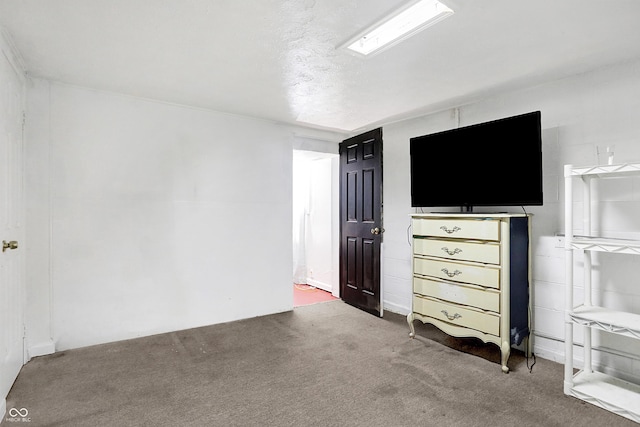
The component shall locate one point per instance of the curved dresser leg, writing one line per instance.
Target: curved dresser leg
(412, 331)
(506, 351)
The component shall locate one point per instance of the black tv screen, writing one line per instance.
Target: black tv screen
(496, 163)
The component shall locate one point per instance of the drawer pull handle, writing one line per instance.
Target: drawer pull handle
(455, 272)
(9, 245)
(456, 251)
(450, 230)
(454, 317)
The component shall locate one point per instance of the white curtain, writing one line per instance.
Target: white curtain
(300, 216)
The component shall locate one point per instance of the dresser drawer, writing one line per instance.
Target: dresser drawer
(446, 270)
(488, 323)
(474, 297)
(457, 228)
(488, 253)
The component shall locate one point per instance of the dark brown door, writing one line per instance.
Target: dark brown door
(361, 220)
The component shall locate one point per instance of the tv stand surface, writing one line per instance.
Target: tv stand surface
(472, 215)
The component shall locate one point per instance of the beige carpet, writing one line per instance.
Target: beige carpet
(326, 364)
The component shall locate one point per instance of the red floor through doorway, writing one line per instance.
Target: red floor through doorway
(307, 294)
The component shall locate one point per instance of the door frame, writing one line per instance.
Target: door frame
(14, 61)
(333, 184)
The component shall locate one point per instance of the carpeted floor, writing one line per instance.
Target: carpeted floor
(324, 364)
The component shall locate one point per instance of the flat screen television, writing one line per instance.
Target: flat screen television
(496, 163)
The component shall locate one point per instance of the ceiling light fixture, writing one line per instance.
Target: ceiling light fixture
(401, 24)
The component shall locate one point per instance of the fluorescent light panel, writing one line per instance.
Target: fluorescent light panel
(398, 26)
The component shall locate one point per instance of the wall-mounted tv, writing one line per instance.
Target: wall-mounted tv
(496, 163)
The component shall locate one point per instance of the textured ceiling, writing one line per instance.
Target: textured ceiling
(277, 59)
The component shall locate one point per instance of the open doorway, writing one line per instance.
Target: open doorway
(315, 227)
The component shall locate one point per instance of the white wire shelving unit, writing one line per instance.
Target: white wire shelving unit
(606, 391)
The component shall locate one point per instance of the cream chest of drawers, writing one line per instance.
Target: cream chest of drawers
(471, 275)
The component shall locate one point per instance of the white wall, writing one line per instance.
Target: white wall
(147, 217)
(578, 113)
(38, 221)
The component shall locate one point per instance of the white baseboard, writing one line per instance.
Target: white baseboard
(548, 354)
(552, 348)
(396, 308)
(42, 349)
(320, 285)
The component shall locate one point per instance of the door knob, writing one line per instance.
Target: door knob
(377, 230)
(9, 245)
